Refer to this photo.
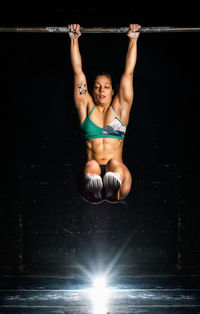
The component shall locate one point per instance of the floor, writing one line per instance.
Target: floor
(78, 295)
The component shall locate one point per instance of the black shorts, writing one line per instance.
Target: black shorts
(103, 170)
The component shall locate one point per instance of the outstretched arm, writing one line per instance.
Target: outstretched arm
(80, 83)
(125, 93)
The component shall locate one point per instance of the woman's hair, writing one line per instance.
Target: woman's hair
(102, 74)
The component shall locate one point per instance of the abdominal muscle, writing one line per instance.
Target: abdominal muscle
(104, 149)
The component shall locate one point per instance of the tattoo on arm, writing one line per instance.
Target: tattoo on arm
(82, 88)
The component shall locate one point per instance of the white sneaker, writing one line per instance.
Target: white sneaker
(112, 182)
(94, 185)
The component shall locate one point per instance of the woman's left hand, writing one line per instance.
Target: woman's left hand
(132, 32)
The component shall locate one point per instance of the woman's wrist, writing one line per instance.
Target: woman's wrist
(74, 39)
(132, 41)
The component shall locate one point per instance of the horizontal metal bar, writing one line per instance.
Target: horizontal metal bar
(95, 30)
(141, 30)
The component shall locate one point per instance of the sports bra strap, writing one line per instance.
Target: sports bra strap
(91, 111)
(116, 115)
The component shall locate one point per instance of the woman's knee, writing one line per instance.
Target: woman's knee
(114, 163)
(92, 167)
(115, 166)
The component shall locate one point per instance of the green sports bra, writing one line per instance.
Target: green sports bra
(116, 129)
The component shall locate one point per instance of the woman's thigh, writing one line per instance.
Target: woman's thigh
(126, 184)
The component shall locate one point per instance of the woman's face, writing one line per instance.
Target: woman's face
(102, 90)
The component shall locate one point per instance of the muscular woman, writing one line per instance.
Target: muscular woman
(103, 122)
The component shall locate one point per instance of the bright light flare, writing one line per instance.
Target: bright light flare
(99, 283)
(99, 296)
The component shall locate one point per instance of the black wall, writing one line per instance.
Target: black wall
(44, 224)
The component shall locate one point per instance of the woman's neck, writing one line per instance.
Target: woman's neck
(102, 108)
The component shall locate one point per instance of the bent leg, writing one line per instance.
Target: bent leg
(92, 167)
(122, 190)
(90, 184)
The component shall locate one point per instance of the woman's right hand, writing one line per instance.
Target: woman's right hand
(74, 31)
(132, 32)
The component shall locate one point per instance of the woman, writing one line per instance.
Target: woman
(104, 120)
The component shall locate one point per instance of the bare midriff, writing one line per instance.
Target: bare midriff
(104, 149)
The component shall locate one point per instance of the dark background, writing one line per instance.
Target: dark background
(44, 225)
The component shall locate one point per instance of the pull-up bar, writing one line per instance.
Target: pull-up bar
(93, 30)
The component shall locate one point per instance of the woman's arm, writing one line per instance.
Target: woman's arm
(80, 82)
(125, 93)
